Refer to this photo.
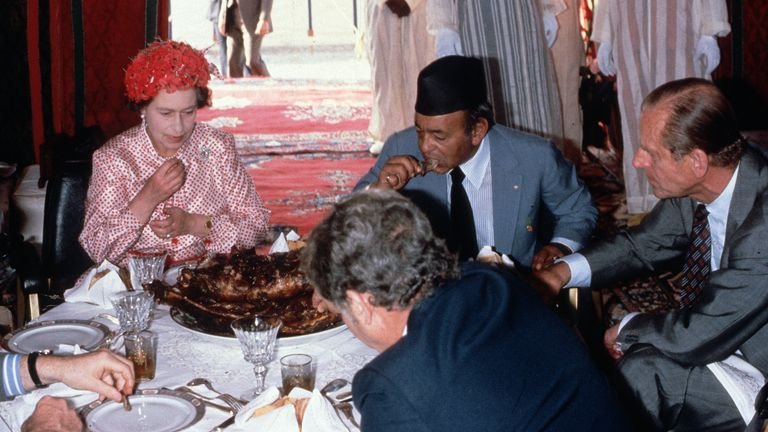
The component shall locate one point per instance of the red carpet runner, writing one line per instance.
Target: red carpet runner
(303, 142)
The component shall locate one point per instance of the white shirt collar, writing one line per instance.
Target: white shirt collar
(720, 206)
(475, 167)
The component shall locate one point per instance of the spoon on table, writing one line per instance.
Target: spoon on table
(330, 389)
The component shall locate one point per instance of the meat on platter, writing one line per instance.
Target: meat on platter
(225, 287)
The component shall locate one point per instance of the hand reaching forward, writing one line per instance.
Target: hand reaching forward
(550, 280)
(103, 372)
(546, 256)
(609, 340)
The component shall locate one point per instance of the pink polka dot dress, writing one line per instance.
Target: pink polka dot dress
(217, 185)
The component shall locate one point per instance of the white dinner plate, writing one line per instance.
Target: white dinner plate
(156, 410)
(48, 335)
(189, 322)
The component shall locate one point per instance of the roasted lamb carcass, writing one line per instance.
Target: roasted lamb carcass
(230, 286)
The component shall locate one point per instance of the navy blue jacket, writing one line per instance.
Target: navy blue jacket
(484, 354)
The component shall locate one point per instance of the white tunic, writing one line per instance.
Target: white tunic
(653, 43)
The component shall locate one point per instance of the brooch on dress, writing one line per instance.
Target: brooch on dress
(204, 153)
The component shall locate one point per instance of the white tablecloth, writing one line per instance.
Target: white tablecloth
(184, 354)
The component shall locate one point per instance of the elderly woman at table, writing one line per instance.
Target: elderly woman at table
(103, 372)
(170, 182)
(467, 348)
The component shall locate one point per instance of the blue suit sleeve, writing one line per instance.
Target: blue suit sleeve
(567, 199)
(382, 406)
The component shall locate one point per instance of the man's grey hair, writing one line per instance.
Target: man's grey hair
(699, 116)
(377, 242)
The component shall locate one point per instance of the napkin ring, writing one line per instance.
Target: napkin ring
(32, 368)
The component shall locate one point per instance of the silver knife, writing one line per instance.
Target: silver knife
(226, 423)
(346, 409)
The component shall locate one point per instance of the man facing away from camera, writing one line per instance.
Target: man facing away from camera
(467, 348)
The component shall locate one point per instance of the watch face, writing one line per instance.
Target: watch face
(209, 223)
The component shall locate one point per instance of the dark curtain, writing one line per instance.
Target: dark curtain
(16, 145)
(77, 51)
(744, 62)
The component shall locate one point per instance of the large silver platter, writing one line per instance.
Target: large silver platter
(156, 410)
(190, 323)
(48, 335)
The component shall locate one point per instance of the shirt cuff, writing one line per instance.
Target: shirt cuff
(581, 273)
(12, 382)
(627, 318)
(572, 245)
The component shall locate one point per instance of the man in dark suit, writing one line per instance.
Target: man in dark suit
(526, 200)
(462, 349)
(680, 365)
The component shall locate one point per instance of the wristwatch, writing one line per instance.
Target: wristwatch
(32, 367)
(209, 224)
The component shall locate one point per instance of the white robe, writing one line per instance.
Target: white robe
(398, 49)
(653, 43)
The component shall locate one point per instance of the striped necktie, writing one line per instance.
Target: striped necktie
(697, 259)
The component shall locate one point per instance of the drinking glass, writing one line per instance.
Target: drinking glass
(297, 370)
(133, 310)
(257, 336)
(141, 349)
(146, 265)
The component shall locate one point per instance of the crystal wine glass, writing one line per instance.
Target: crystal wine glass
(257, 336)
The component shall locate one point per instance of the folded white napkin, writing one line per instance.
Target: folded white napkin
(742, 381)
(66, 349)
(292, 236)
(23, 406)
(319, 415)
(280, 245)
(96, 285)
(490, 256)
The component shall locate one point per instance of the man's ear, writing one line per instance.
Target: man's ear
(359, 306)
(479, 130)
(699, 162)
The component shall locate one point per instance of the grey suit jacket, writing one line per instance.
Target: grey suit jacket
(536, 193)
(732, 313)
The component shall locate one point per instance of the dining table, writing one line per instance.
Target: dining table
(184, 353)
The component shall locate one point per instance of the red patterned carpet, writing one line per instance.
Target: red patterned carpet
(301, 189)
(305, 143)
(274, 116)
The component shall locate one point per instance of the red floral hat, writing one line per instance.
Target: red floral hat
(169, 65)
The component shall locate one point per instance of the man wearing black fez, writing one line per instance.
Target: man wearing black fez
(482, 184)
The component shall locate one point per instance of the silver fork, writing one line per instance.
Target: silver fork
(230, 400)
(207, 401)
